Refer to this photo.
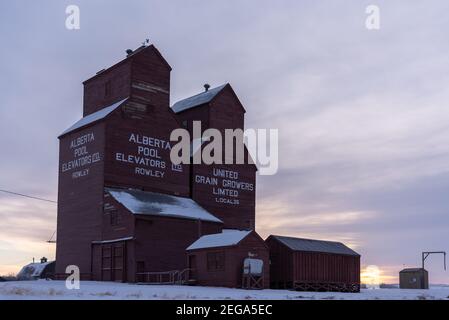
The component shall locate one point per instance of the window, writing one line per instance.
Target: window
(215, 261)
(115, 218)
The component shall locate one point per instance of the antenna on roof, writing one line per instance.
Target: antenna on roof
(206, 87)
(146, 42)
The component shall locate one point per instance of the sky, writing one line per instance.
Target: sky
(362, 114)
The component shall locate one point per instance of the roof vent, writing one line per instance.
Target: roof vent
(129, 52)
(44, 260)
(206, 87)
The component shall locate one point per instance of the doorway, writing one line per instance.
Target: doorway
(113, 262)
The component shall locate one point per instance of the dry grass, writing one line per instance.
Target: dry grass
(8, 277)
(17, 291)
(135, 295)
(54, 292)
(104, 294)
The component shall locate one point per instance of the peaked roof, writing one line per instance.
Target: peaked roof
(93, 117)
(412, 270)
(225, 239)
(33, 270)
(299, 244)
(158, 204)
(128, 57)
(196, 100)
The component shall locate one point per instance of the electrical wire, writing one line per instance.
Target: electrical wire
(27, 196)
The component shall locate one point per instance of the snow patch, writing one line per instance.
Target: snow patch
(225, 239)
(32, 270)
(92, 290)
(144, 202)
(93, 117)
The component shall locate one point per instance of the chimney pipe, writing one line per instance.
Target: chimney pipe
(206, 87)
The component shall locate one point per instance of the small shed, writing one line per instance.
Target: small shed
(414, 278)
(221, 260)
(313, 265)
(33, 271)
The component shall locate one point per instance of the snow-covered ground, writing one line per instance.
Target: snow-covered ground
(43, 289)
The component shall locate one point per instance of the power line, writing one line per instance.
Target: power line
(27, 196)
(35, 198)
(51, 239)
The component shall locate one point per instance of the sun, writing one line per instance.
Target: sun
(371, 276)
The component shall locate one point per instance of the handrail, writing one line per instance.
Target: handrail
(166, 277)
(186, 273)
(160, 277)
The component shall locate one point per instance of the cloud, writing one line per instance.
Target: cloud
(26, 219)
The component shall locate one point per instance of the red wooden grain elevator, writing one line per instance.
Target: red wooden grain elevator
(127, 213)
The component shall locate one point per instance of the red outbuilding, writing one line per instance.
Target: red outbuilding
(313, 265)
(232, 258)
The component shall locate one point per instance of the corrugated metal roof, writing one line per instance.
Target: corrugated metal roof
(100, 114)
(33, 270)
(158, 204)
(299, 244)
(225, 239)
(412, 270)
(196, 100)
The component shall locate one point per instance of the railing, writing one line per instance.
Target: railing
(185, 276)
(165, 277)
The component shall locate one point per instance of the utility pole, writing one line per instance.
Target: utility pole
(427, 253)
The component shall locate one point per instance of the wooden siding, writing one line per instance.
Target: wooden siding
(226, 111)
(231, 275)
(124, 227)
(161, 242)
(239, 215)
(223, 112)
(144, 76)
(325, 267)
(80, 194)
(281, 262)
(95, 97)
(290, 268)
(119, 173)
